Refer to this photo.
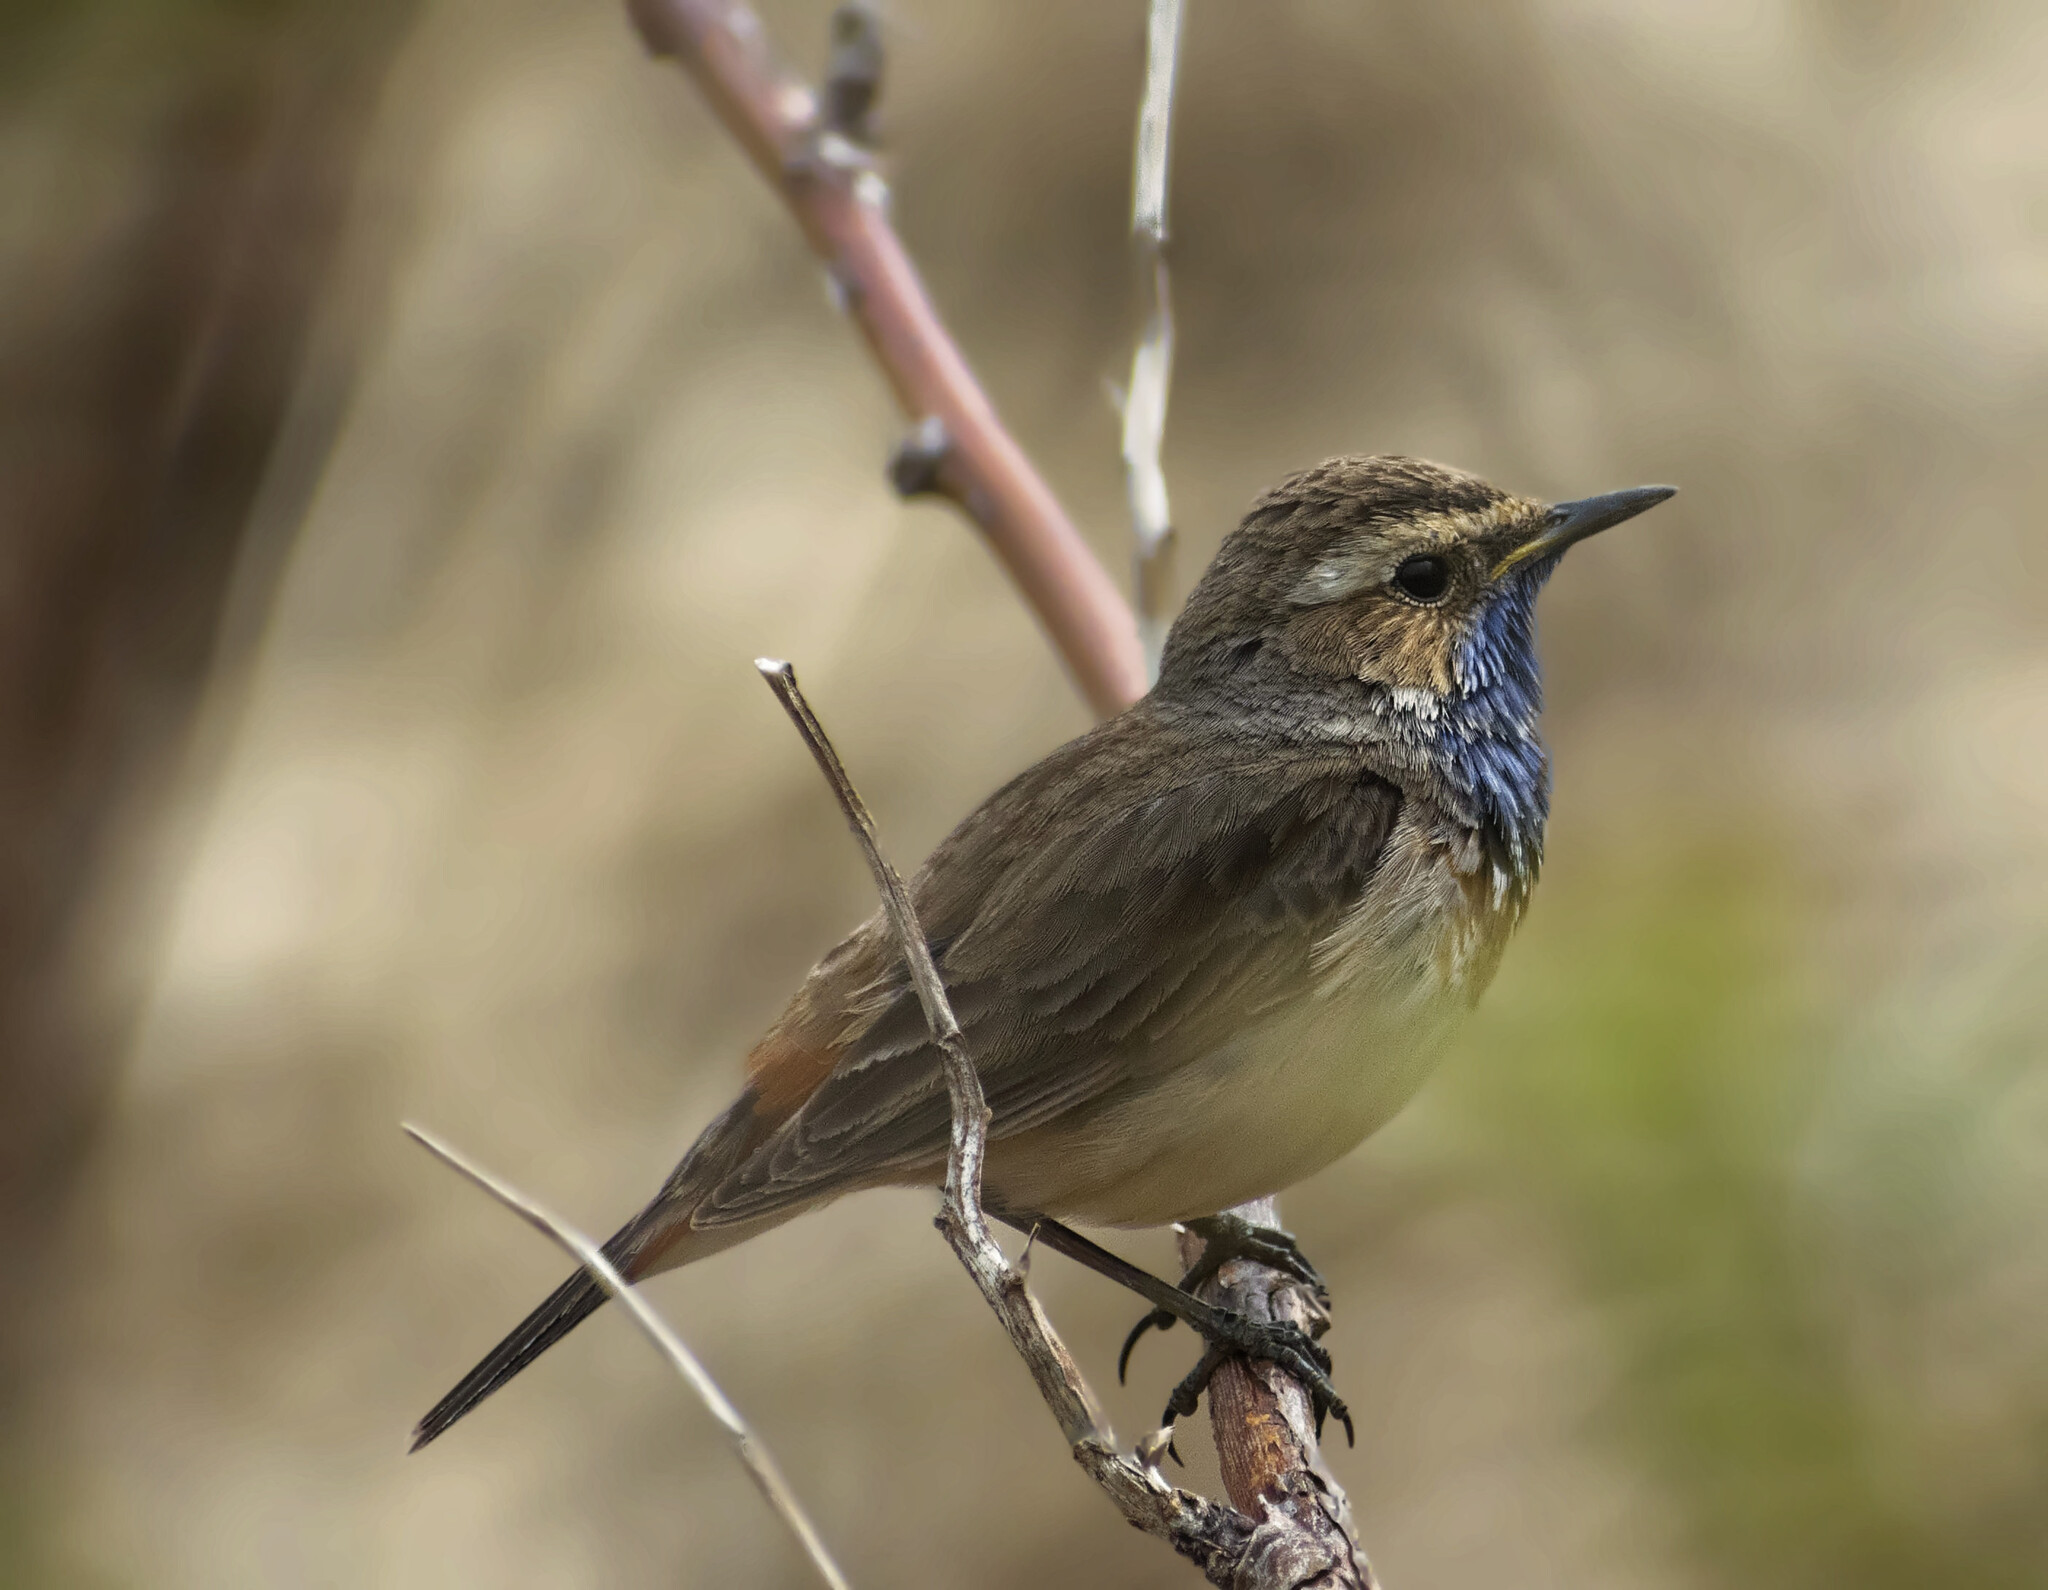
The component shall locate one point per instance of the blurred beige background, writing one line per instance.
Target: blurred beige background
(1719, 1253)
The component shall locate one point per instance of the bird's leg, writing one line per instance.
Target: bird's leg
(1223, 1331)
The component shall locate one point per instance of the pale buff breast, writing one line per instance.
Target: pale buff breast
(1308, 1084)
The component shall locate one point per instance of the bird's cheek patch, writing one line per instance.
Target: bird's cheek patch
(1381, 642)
(1408, 648)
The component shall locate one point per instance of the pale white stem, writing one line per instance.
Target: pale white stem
(1144, 401)
(759, 1462)
(1144, 420)
(1155, 120)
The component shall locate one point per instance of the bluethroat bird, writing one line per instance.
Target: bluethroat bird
(1210, 945)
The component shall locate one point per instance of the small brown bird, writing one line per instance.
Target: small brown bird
(1207, 947)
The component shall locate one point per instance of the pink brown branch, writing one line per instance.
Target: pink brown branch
(958, 447)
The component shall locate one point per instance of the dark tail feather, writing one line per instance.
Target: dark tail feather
(571, 1303)
(664, 1223)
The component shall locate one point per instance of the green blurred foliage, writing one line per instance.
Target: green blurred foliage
(1648, 1071)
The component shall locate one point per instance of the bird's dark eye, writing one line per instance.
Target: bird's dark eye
(1425, 577)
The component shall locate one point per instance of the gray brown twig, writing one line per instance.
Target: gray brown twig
(1293, 1529)
(760, 1464)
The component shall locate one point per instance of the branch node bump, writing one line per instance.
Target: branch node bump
(915, 465)
(853, 71)
(1149, 1450)
(871, 190)
(834, 149)
(842, 292)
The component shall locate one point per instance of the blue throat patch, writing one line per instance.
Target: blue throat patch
(1485, 740)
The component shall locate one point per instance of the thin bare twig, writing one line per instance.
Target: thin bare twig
(1267, 1549)
(759, 1462)
(1262, 1418)
(1197, 1527)
(1144, 401)
(958, 447)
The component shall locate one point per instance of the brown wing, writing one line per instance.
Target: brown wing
(1103, 913)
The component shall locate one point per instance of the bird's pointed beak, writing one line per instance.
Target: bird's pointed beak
(1569, 522)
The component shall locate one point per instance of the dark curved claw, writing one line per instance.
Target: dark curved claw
(1282, 1343)
(1158, 1320)
(1186, 1400)
(1224, 1238)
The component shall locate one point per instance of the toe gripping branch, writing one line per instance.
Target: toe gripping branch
(1224, 1332)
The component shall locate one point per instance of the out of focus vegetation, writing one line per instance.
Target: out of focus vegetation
(416, 417)
(1657, 1078)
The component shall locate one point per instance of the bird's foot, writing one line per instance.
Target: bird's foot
(1277, 1342)
(1224, 1238)
(1227, 1237)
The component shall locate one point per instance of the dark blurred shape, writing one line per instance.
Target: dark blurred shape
(853, 71)
(142, 387)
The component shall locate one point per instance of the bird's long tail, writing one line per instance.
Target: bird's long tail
(568, 1306)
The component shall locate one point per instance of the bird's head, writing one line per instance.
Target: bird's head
(1394, 572)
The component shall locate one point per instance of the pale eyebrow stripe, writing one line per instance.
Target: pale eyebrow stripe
(1346, 571)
